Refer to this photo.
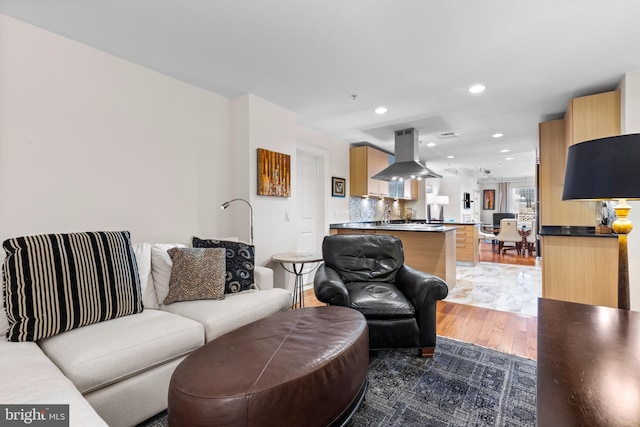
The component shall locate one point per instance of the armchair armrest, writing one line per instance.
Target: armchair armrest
(423, 290)
(329, 287)
(420, 287)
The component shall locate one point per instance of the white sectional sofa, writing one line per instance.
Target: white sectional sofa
(116, 372)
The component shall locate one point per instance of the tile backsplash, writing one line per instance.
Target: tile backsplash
(368, 209)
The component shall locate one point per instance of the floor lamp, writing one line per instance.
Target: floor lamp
(608, 169)
(225, 205)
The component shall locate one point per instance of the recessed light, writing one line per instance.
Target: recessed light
(505, 150)
(508, 158)
(431, 144)
(381, 110)
(497, 135)
(477, 88)
(451, 157)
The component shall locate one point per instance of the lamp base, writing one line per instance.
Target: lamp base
(622, 226)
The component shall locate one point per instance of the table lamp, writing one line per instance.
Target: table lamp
(431, 199)
(225, 205)
(442, 200)
(608, 169)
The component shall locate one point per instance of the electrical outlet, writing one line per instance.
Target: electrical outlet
(287, 216)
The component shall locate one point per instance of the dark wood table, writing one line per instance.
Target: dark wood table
(588, 365)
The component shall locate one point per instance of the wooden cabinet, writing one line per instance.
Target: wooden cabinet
(580, 269)
(577, 269)
(467, 249)
(592, 117)
(588, 117)
(553, 158)
(366, 161)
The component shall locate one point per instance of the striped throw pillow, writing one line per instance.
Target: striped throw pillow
(58, 282)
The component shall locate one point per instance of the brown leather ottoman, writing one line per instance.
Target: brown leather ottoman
(302, 367)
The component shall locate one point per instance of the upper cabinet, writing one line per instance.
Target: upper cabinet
(588, 117)
(366, 161)
(592, 117)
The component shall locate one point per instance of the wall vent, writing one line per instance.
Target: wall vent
(445, 135)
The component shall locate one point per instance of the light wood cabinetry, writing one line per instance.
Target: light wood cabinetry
(592, 117)
(467, 249)
(580, 269)
(553, 157)
(366, 161)
(587, 117)
(430, 252)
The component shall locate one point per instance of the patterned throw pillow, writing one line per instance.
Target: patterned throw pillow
(58, 282)
(240, 261)
(196, 273)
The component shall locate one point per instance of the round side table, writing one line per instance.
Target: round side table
(297, 261)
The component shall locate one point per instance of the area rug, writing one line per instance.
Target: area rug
(462, 385)
(504, 287)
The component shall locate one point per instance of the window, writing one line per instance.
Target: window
(523, 199)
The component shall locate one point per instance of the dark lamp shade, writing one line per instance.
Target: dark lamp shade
(603, 169)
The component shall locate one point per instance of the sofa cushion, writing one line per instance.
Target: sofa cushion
(30, 377)
(240, 263)
(196, 273)
(161, 268)
(143, 259)
(238, 309)
(108, 352)
(58, 282)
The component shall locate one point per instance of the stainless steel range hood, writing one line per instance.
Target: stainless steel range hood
(406, 165)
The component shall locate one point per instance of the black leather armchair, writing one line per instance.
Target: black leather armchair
(366, 272)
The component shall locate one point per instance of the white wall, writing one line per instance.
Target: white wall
(338, 166)
(92, 142)
(630, 87)
(89, 141)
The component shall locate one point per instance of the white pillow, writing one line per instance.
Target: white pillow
(143, 259)
(161, 268)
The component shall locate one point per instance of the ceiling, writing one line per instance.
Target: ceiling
(332, 62)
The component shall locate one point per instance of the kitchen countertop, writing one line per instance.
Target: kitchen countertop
(572, 231)
(395, 226)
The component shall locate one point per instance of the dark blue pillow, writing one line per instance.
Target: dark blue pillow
(240, 261)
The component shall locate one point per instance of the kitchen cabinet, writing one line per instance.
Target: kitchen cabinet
(366, 161)
(592, 117)
(405, 190)
(582, 269)
(467, 247)
(577, 267)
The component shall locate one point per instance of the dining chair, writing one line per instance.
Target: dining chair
(532, 239)
(509, 237)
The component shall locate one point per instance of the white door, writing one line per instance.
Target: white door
(307, 191)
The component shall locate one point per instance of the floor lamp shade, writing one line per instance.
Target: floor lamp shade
(608, 169)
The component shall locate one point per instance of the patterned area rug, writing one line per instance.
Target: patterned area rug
(462, 385)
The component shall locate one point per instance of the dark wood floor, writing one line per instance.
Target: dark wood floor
(500, 330)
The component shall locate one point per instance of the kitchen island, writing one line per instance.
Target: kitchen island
(427, 247)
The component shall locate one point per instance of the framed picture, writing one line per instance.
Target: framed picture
(489, 200)
(274, 173)
(338, 187)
